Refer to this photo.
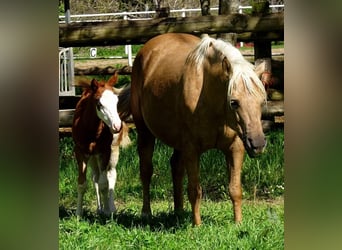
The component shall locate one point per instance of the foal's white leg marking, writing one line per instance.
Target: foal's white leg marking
(103, 185)
(94, 164)
(107, 179)
(81, 189)
(95, 174)
(111, 173)
(111, 176)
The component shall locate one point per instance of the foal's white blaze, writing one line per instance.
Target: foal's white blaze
(107, 111)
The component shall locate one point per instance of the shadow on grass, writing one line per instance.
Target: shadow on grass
(131, 219)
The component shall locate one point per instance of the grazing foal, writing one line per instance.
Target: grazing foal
(98, 132)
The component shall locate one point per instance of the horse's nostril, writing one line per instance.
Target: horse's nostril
(256, 143)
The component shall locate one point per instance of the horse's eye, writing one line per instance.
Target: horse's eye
(234, 104)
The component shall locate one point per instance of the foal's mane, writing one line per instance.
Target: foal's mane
(240, 66)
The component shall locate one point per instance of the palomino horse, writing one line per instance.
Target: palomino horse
(98, 132)
(196, 94)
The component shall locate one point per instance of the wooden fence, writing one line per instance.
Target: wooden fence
(121, 32)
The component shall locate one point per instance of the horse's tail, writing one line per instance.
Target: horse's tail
(124, 107)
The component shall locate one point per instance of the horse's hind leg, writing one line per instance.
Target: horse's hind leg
(177, 178)
(146, 143)
(82, 180)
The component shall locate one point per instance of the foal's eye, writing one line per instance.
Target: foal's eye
(99, 105)
(234, 104)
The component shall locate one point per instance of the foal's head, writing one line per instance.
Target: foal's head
(106, 103)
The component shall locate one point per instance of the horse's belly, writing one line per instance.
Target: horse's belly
(163, 119)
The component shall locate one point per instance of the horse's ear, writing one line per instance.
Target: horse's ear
(226, 67)
(113, 79)
(94, 85)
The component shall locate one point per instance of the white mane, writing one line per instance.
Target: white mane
(240, 66)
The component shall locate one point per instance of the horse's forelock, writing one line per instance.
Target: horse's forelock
(240, 66)
(253, 84)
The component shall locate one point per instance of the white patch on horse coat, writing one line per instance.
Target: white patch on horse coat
(107, 110)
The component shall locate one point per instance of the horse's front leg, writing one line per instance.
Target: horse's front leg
(234, 159)
(191, 163)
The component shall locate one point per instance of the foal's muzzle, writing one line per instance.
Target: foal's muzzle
(116, 128)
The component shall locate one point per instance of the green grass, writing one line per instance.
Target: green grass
(105, 51)
(262, 228)
(263, 207)
(109, 51)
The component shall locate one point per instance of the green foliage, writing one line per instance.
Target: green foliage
(260, 6)
(61, 10)
(105, 51)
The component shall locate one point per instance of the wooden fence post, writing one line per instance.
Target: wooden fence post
(227, 7)
(262, 48)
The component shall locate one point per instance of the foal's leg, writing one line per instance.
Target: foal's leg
(111, 175)
(177, 178)
(103, 184)
(146, 143)
(93, 162)
(234, 160)
(82, 180)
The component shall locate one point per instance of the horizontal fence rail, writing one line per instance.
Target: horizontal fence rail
(140, 15)
(272, 25)
(121, 32)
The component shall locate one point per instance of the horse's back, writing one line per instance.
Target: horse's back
(156, 84)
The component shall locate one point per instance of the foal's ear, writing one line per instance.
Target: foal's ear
(113, 79)
(226, 67)
(260, 68)
(94, 85)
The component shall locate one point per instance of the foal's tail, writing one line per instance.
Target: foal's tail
(124, 140)
(124, 107)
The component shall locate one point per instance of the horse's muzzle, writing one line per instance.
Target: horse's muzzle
(255, 145)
